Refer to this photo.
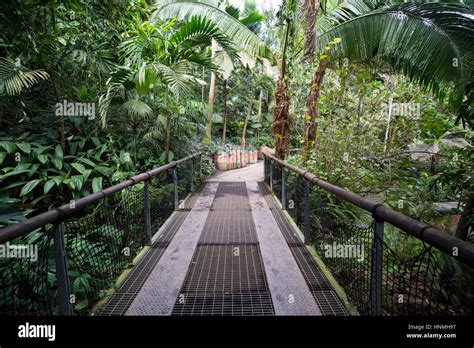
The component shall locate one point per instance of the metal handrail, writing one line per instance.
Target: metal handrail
(52, 216)
(429, 234)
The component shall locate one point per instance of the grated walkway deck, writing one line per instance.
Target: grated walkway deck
(230, 252)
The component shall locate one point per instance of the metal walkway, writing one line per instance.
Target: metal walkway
(230, 251)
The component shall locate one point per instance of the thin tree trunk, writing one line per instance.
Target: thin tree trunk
(168, 136)
(311, 8)
(244, 131)
(359, 108)
(281, 113)
(212, 88)
(312, 107)
(202, 87)
(61, 120)
(387, 131)
(259, 114)
(224, 101)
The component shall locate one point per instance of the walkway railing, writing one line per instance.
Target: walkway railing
(64, 261)
(386, 262)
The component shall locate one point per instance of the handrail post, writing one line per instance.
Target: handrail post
(271, 174)
(62, 274)
(375, 296)
(307, 227)
(146, 196)
(191, 175)
(264, 168)
(175, 186)
(199, 163)
(283, 189)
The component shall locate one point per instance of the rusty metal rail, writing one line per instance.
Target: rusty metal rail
(386, 262)
(88, 250)
(429, 234)
(52, 216)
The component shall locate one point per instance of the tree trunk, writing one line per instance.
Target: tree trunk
(281, 111)
(281, 119)
(61, 120)
(202, 87)
(387, 130)
(168, 136)
(212, 88)
(311, 8)
(259, 114)
(359, 108)
(224, 101)
(244, 131)
(466, 221)
(312, 107)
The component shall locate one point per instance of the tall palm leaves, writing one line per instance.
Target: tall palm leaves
(429, 42)
(227, 19)
(237, 32)
(160, 52)
(14, 78)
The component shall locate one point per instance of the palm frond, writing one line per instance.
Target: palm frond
(146, 79)
(244, 38)
(15, 78)
(198, 28)
(252, 18)
(115, 84)
(225, 64)
(144, 38)
(178, 77)
(430, 43)
(137, 108)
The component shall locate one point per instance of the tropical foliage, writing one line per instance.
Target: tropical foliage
(376, 96)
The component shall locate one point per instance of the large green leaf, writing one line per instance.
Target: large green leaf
(79, 167)
(14, 172)
(25, 147)
(29, 187)
(57, 163)
(58, 152)
(243, 38)
(48, 186)
(431, 43)
(8, 146)
(97, 184)
(42, 158)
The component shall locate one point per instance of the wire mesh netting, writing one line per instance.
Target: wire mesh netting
(419, 279)
(161, 190)
(26, 285)
(101, 241)
(183, 172)
(102, 244)
(411, 277)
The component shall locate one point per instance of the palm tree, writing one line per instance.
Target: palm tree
(281, 112)
(162, 52)
(429, 42)
(227, 19)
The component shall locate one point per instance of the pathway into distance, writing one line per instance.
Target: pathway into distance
(230, 251)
